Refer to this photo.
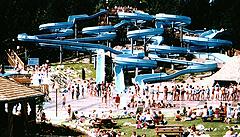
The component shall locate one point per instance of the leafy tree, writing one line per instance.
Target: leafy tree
(198, 11)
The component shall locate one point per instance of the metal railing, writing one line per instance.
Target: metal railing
(14, 60)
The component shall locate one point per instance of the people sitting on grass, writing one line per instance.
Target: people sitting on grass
(189, 112)
(109, 114)
(229, 133)
(134, 134)
(192, 132)
(155, 118)
(82, 117)
(229, 113)
(93, 116)
(205, 114)
(97, 132)
(139, 124)
(147, 119)
(184, 111)
(178, 116)
(193, 116)
(238, 111)
(211, 113)
(124, 113)
(74, 116)
(217, 113)
(159, 119)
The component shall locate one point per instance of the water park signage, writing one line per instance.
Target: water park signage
(33, 61)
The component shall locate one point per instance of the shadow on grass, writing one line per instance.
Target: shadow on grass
(41, 129)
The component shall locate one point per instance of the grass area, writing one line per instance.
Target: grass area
(183, 78)
(90, 72)
(219, 127)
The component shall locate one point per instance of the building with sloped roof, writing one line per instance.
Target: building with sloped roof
(16, 122)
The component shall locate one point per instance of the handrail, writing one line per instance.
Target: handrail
(215, 57)
(12, 60)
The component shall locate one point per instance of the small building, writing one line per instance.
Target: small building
(14, 121)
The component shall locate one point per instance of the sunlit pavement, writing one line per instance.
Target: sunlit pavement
(89, 103)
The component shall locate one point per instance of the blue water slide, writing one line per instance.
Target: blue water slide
(58, 25)
(206, 41)
(70, 23)
(202, 33)
(73, 48)
(168, 19)
(136, 15)
(185, 30)
(221, 58)
(175, 50)
(139, 78)
(211, 33)
(26, 38)
(121, 23)
(97, 29)
(100, 66)
(124, 58)
(119, 79)
(129, 61)
(100, 29)
(177, 61)
(156, 40)
(139, 53)
(59, 34)
(196, 48)
(206, 33)
(194, 68)
(101, 37)
(167, 49)
(136, 34)
(74, 18)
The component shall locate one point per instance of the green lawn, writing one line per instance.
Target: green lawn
(77, 67)
(219, 127)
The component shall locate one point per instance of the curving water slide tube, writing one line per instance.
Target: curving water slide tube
(192, 67)
(129, 59)
(163, 19)
(71, 21)
(197, 44)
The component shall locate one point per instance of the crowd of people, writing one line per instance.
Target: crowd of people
(198, 93)
(147, 101)
(224, 112)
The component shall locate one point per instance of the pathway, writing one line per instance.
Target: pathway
(88, 104)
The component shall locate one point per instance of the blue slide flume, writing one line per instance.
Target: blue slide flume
(127, 59)
(193, 68)
(65, 43)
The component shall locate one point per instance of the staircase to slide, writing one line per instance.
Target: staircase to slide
(14, 60)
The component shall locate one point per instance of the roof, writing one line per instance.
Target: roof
(11, 91)
(22, 80)
(230, 71)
